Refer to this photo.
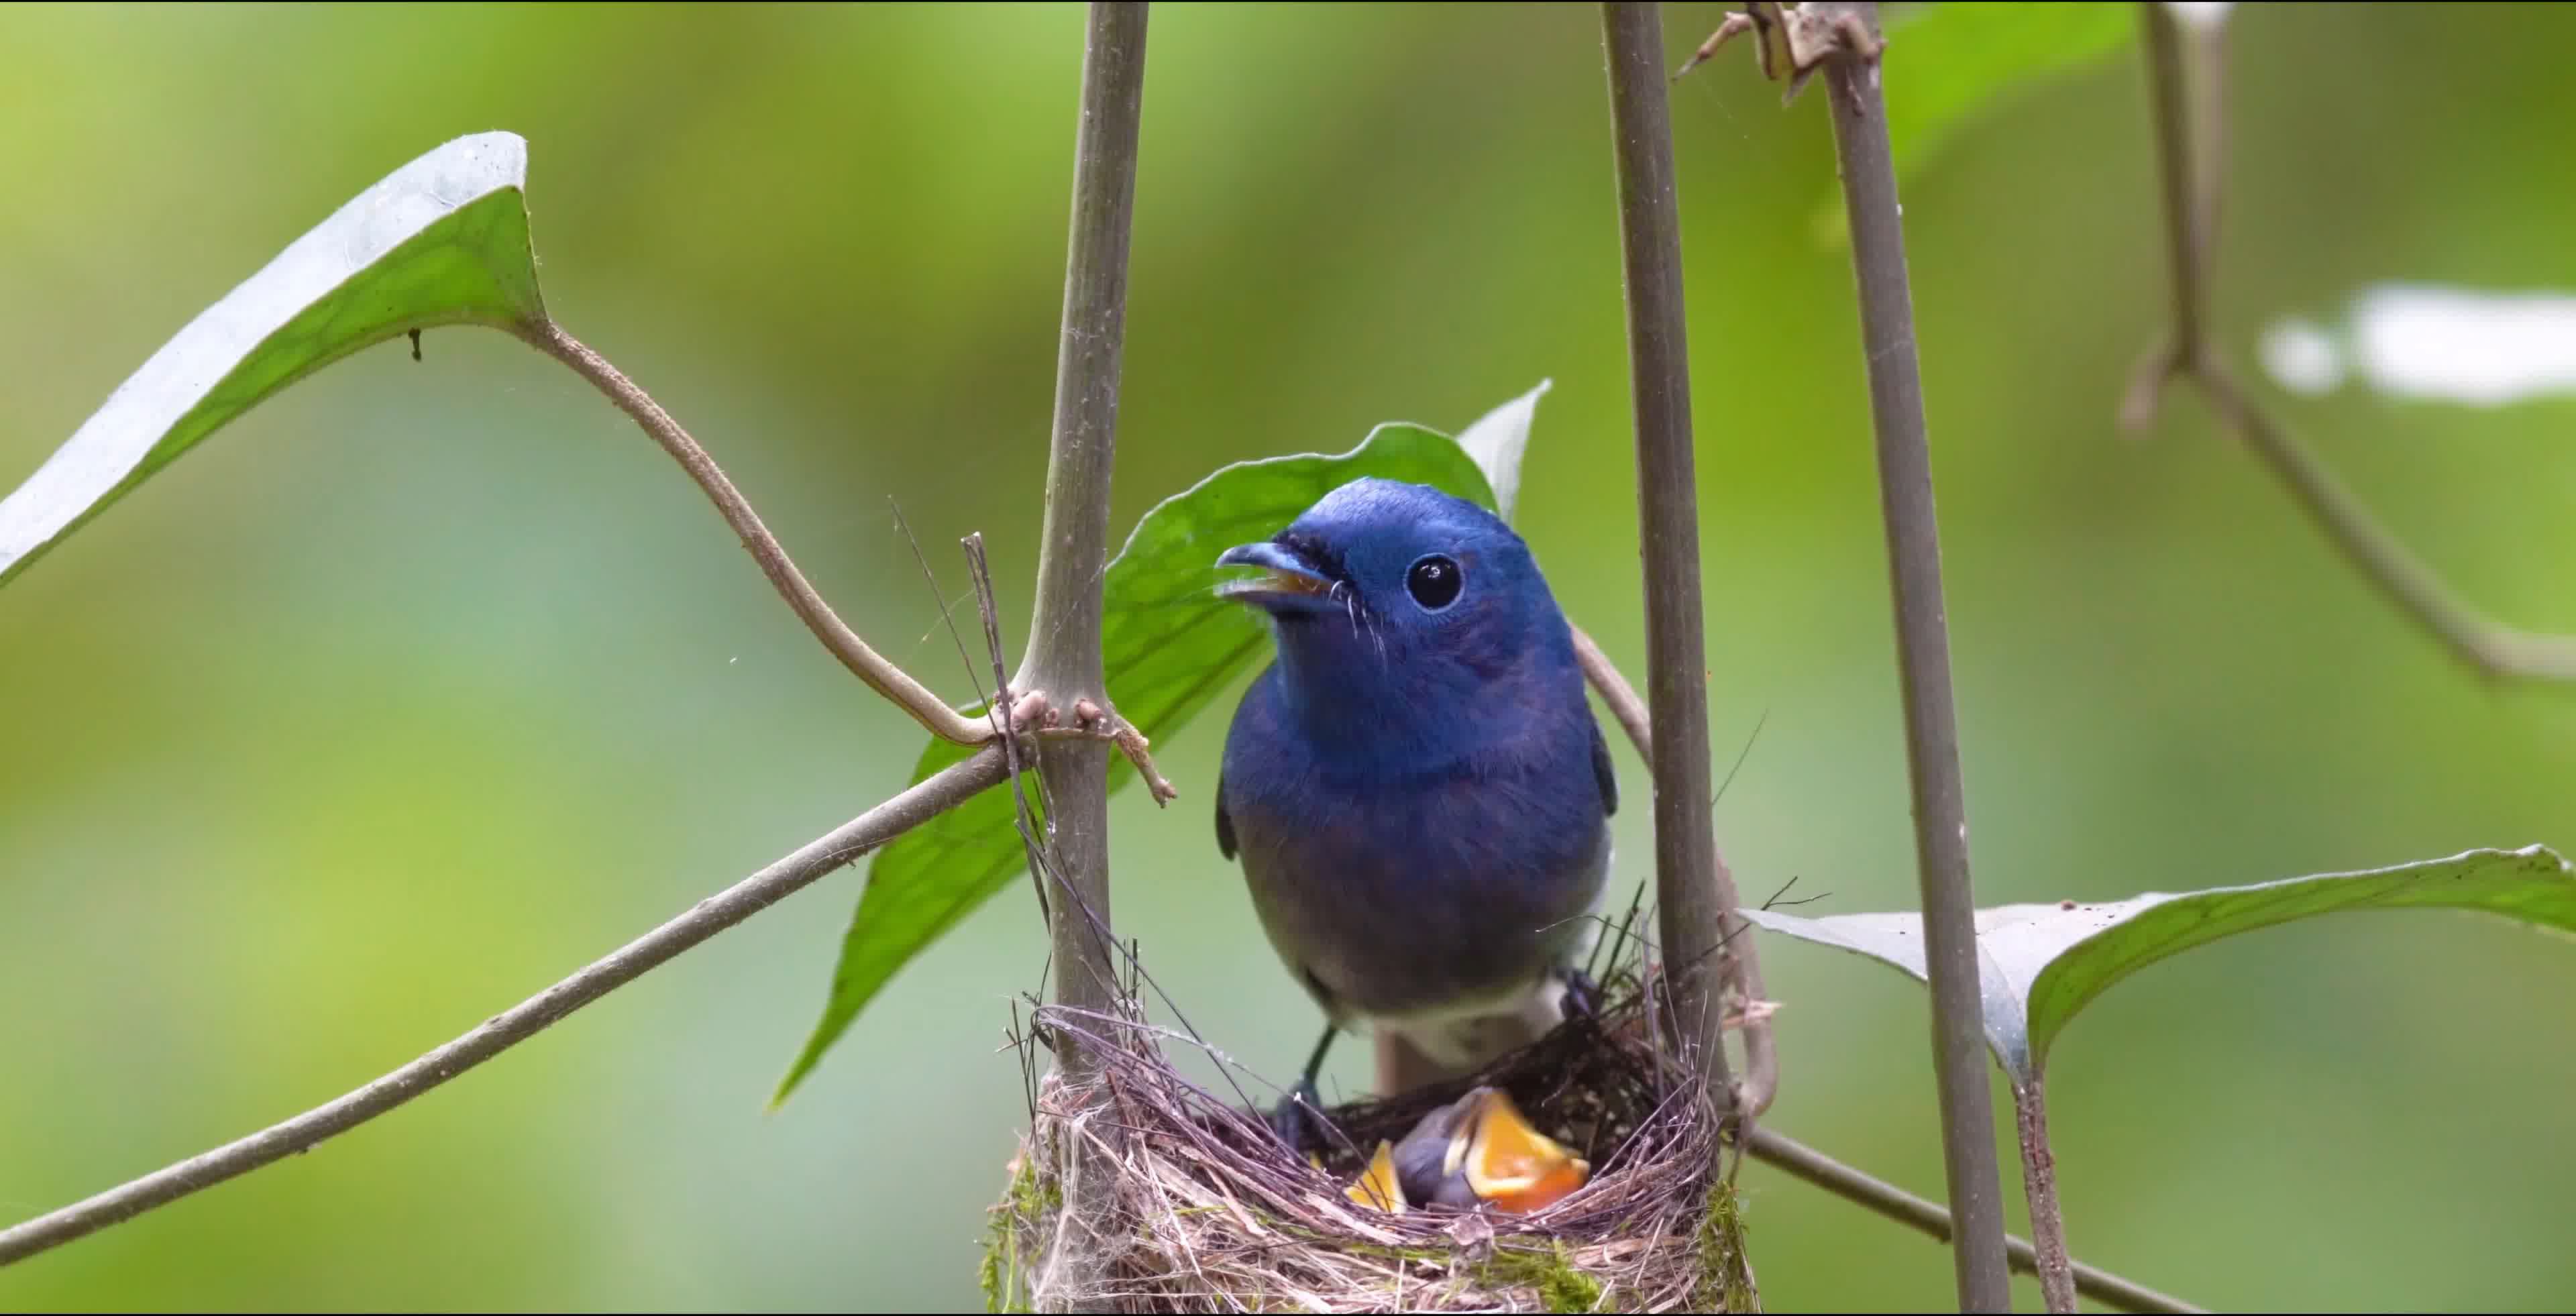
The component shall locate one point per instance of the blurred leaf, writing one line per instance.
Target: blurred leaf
(1168, 646)
(2040, 964)
(442, 240)
(1946, 62)
(1497, 440)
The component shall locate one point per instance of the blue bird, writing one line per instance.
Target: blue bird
(1416, 789)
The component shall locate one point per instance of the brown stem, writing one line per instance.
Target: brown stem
(881, 675)
(1780, 1151)
(1859, 114)
(2039, 1183)
(517, 1024)
(1692, 913)
(2190, 209)
(1063, 656)
(1761, 1081)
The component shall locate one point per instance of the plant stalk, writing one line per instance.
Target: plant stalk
(1691, 912)
(2039, 1182)
(1776, 1149)
(1859, 114)
(2189, 142)
(1063, 659)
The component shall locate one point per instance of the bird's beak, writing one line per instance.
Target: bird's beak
(1287, 583)
(1480, 1149)
(1378, 1185)
(1513, 1165)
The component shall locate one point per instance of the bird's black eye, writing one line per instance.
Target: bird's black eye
(1434, 582)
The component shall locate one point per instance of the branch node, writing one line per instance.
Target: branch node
(1035, 714)
(1796, 40)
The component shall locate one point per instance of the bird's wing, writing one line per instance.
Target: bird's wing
(1225, 825)
(1602, 772)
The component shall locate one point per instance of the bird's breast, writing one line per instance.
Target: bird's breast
(1409, 893)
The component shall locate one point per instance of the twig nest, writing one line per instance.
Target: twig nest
(1146, 1193)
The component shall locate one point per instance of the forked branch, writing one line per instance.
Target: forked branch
(2188, 138)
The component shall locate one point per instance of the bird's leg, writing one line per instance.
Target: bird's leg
(1582, 995)
(1299, 1114)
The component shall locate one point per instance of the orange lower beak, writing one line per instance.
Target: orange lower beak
(1377, 1184)
(1513, 1165)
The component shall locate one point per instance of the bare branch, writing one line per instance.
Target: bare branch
(1777, 1149)
(1761, 1081)
(2185, 153)
(1693, 911)
(881, 675)
(517, 1024)
(1859, 113)
(1064, 659)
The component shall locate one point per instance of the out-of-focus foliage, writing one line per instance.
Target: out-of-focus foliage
(432, 681)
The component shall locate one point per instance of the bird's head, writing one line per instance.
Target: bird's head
(1382, 576)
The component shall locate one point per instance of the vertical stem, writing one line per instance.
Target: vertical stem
(1859, 113)
(2039, 1182)
(1687, 902)
(1064, 633)
(2186, 235)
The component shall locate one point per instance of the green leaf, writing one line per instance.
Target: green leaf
(2041, 964)
(1169, 645)
(1946, 62)
(442, 240)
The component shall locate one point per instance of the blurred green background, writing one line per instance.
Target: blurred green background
(427, 683)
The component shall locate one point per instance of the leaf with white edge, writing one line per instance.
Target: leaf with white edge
(1168, 645)
(2042, 964)
(1497, 440)
(442, 240)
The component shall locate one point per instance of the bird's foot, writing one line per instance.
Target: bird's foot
(1582, 995)
(1298, 1119)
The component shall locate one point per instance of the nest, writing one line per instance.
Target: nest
(1184, 1200)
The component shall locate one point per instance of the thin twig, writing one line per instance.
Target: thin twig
(2495, 648)
(1783, 1152)
(705, 919)
(1002, 709)
(870, 666)
(1859, 113)
(1761, 1082)
(1693, 911)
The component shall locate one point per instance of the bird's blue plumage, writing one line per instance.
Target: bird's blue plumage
(1416, 789)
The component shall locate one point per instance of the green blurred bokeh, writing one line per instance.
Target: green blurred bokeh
(427, 683)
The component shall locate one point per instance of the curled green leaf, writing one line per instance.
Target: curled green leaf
(442, 240)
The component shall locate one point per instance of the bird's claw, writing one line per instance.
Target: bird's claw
(1298, 1119)
(1582, 995)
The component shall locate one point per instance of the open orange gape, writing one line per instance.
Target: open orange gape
(1477, 1149)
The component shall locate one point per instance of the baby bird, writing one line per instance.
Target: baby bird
(1416, 789)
